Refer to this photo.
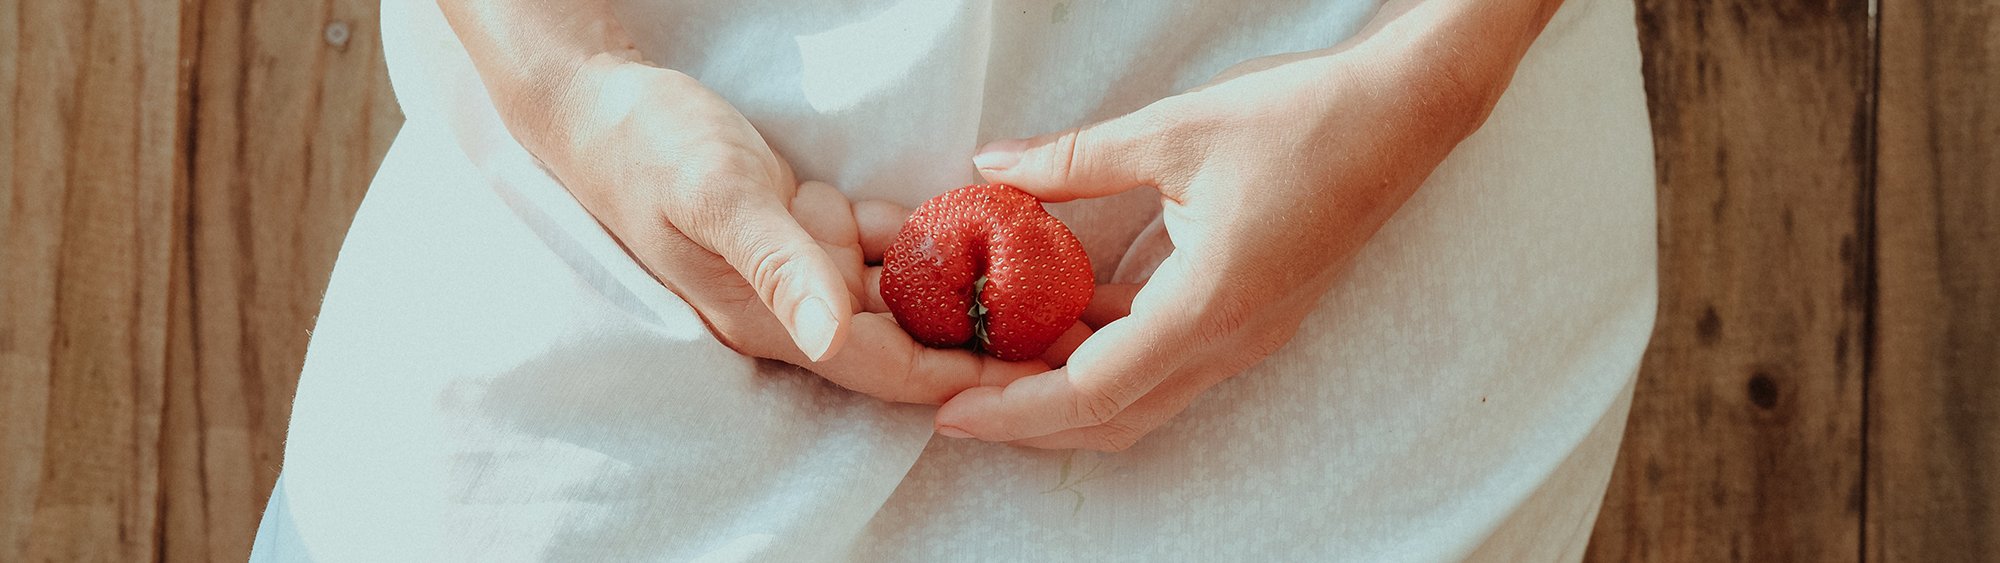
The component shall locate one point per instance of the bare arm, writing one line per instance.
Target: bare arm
(1272, 177)
(530, 54)
(694, 193)
(1467, 48)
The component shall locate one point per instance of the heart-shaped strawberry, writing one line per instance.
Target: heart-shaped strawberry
(986, 264)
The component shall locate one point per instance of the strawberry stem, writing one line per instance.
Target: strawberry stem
(978, 314)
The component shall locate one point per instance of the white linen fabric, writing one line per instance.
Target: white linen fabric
(492, 378)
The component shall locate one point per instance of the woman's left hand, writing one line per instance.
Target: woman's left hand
(1271, 177)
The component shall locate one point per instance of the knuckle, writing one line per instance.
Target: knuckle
(910, 383)
(1096, 406)
(768, 266)
(1167, 142)
(1155, 137)
(1223, 318)
(1069, 154)
(1167, 123)
(1157, 121)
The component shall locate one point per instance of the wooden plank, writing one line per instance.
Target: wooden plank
(292, 116)
(1745, 436)
(91, 180)
(24, 323)
(1934, 387)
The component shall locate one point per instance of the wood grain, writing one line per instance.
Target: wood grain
(1934, 387)
(1744, 442)
(292, 115)
(92, 179)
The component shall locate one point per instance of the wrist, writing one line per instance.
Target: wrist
(544, 110)
(1444, 95)
(534, 57)
(1449, 62)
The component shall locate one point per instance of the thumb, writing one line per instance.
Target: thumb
(1091, 161)
(790, 272)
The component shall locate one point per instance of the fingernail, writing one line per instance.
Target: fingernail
(999, 155)
(812, 327)
(950, 432)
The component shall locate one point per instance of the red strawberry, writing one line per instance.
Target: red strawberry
(986, 263)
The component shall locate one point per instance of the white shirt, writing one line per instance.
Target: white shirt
(492, 378)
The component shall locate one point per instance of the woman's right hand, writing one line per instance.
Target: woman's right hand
(696, 196)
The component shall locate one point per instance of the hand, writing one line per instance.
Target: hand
(1272, 177)
(696, 196)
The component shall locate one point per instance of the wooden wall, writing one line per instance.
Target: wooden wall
(1824, 379)
(1745, 442)
(1932, 448)
(178, 176)
(1824, 382)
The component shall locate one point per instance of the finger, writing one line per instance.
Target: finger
(1171, 321)
(1173, 396)
(879, 222)
(885, 363)
(825, 214)
(1126, 429)
(1059, 351)
(728, 307)
(1090, 161)
(1110, 302)
(872, 282)
(848, 258)
(791, 273)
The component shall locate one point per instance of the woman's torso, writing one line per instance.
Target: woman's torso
(1466, 382)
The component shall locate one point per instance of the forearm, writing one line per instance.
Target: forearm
(1454, 57)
